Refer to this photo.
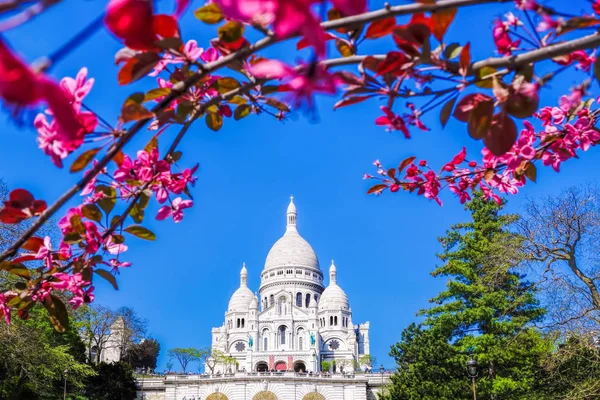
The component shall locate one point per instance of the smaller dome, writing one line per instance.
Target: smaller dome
(334, 297)
(254, 303)
(291, 207)
(242, 298)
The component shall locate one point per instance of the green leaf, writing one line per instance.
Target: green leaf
(156, 93)
(231, 31)
(242, 111)
(84, 159)
(137, 213)
(72, 237)
(278, 105)
(237, 100)
(15, 269)
(209, 14)
(482, 73)
(108, 276)
(447, 111)
(91, 211)
(107, 203)
(224, 85)
(141, 232)
(214, 121)
(59, 317)
(452, 51)
(152, 144)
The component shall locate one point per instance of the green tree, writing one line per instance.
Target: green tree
(185, 356)
(112, 381)
(143, 355)
(325, 366)
(33, 357)
(487, 308)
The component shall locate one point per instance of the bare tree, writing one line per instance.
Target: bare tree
(562, 237)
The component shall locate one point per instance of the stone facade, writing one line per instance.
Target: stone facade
(264, 386)
(295, 322)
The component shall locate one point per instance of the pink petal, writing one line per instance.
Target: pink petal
(163, 213)
(271, 69)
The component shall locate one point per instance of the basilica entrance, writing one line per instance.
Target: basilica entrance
(299, 366)
(280, 366)
(262, 367)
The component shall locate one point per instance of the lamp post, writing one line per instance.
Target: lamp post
(65, 373)
(381, 371)
(472, 372)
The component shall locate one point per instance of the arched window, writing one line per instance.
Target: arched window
(300, 339)
(271, 300)
(266, 303)
(299, 299)
(330, 321)
(335, 320)
(282, 331)
(238, 323)
(300, 336)
(242, 322)
(307, 299)
(316, 298)
(265, 344)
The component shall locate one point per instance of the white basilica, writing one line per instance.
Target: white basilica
(295, 322)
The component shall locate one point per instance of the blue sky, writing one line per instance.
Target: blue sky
(384, 247)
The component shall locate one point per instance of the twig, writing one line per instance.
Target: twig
(25, 15)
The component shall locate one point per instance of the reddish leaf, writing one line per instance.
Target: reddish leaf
(502, 134)
(405, 163)
(465, 106)
(33, 244)
(84, 159)
(350, 100)
(464, 61)
(138, 67)
(380, 28)
(440, 22)
(108, 276)
(345, 48)
(12, 215)
(446, 111)
(394, 61)
(481, 119)
(58, 313)
(377, 188)
(303, 43)
(231, 32)
(334, 14)
(349, 78)
(20, 198)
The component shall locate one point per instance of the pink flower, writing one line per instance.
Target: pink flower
(504, 44)
(45, 252)
(413, 117)
(65, 222)
(79, 87)
(116, 264)
(302, 84)
(4, 308)
(22, 87)
(175, 209)
(114, 248)
(126, 170)
(528, 5)
(392, 121)
(74, 284)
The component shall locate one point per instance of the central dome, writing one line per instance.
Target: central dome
(291, 249)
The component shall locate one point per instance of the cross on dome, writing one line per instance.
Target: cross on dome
(291, 216)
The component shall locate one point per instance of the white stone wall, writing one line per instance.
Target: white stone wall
(287, 386)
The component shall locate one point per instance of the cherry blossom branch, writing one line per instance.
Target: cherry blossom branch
(25, 15)
(180, 88)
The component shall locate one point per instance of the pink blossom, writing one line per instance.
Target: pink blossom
(302, 84)
(65, 222)
(392, 121)
(75, 284)
(548, 23)
(79, 87)
(45, 252)
(4, 308)
(413, 117)
(116, 264)
(175, 209)
(504, 44)
(114, 248)
(529, 5)
(126, 170)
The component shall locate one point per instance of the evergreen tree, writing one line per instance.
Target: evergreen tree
(487, 308)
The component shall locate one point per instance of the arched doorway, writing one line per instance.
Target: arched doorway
(314, 396)
(217, 396)
(262, 367)
(280, 366)
(299, 366)
(265, 395)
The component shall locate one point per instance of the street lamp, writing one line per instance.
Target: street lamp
(472, 372)
(381, 371)
(65, 373)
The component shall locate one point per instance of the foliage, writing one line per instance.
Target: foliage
(143, 355)
(33, 357)
(185, 356)
(487, 308)
(114, 381)
(325, 366)
(489, 96)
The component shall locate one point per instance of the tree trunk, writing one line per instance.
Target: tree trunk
(589, 282)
